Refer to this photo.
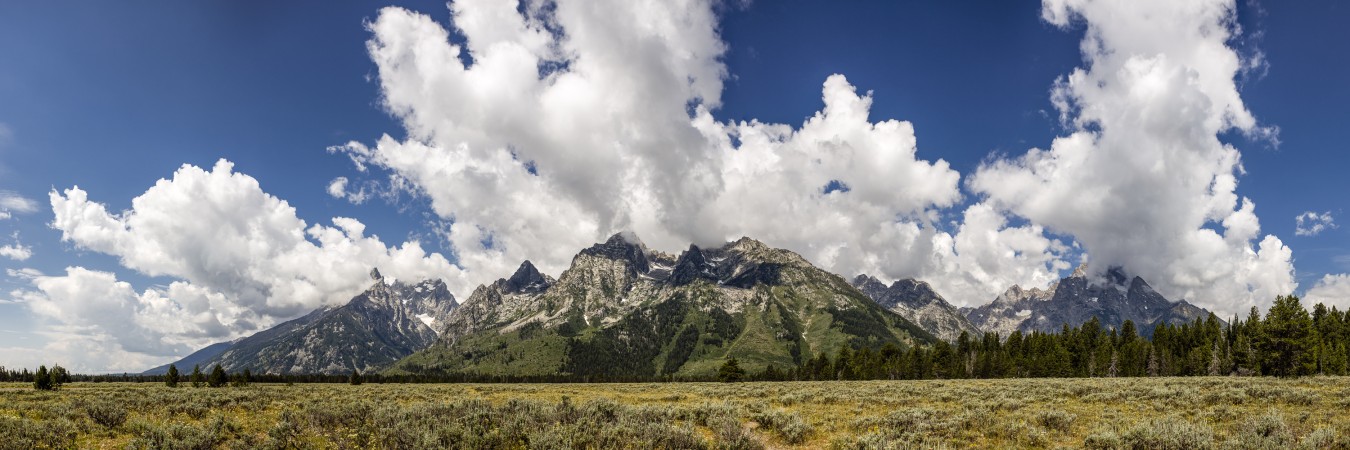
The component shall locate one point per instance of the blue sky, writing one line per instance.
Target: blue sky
(113, 97)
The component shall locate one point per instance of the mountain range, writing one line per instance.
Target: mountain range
(624, 310)
(1112, 298)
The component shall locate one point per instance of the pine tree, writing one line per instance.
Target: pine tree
(171, 378)
(355, 378)
(1336, 359)
(43, 380)
(730, 372)
(1290, 339)
(217, 377)
(197, 378)
(59, 376)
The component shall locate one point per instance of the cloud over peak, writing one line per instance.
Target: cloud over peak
(1142, 180)
(553, 128)
(243, 256)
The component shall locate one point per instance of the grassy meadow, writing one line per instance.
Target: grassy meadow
(1149, 413)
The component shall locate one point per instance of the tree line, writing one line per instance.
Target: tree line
(1288, 341)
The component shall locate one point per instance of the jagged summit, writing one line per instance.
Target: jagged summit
(692, 266)
(1112, 296)
(527, 279)
(375, 328)
(375, 274)
(917, 302)
(622, 247)
(868, 284)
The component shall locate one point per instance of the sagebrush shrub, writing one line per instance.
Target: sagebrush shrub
(106, 413)
(1170, 433)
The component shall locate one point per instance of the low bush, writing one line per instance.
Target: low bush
(106, 413)
(1056, 420)
(1170, 433)
(25, 434)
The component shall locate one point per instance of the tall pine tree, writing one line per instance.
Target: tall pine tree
(1290, 339)
(171, 378)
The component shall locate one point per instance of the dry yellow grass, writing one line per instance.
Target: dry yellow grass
(1020, 413)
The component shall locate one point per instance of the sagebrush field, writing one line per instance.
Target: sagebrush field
(1166, 413)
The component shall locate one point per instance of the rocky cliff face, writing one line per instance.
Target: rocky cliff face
(374, 329)
(917, 302)
(624, 310)
(1112, 297)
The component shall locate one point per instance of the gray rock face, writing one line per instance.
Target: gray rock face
(492, 304)
(1112, 298)
(527, 280)
(374, 329)
(622, 248)
(430, 301)
(917, 302)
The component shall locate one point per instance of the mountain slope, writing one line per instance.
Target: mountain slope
(374, 329)
(917, 302)
(196, 358)
(1074, 300)
(622, 310)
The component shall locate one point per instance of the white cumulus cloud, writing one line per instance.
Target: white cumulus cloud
(17, 252)
(338, 187)
(1143, 180)
(1331, 290)
(242, 257)
(1311, 223)
(594, 117)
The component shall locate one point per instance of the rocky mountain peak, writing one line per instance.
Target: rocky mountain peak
(692, 265)
(914, 288)
(917, 302)
(527, 280)
(622, 247)
(869, 285)
(1112, 297)
(747, 245)
(375, 274)
(1080, 271)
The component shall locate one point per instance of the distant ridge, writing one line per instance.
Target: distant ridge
(1112, 297)
(196, 358)
(917, 302)
(373, 330)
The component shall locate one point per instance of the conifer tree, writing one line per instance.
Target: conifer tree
(59, 376)
(196, 378)
(730, 372)
(355, 378)
(42, 381)
(171, 378)
(217, 378)
(1290, 339)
